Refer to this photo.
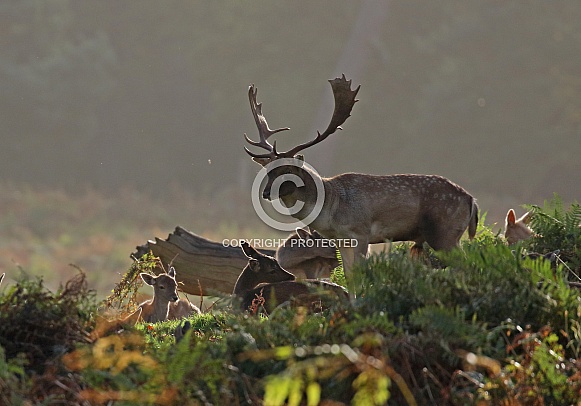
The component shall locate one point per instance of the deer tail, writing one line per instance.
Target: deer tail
(473, 219)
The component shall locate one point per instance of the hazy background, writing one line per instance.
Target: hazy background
(146, 102)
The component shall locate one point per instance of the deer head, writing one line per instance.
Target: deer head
(306, 252)
(260, 269)
(517, 230)
(164, 286)
(344, 102)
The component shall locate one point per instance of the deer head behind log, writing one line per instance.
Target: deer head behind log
(261, 268)
(308, 254)
(264, 279)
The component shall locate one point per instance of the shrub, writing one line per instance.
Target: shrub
(558, 229)
(477, 324)
(37, 327)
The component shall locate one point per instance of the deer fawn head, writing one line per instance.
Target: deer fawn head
(165, 304)
(165, 287)
(260, 269)
(517, 230)
(344, 102)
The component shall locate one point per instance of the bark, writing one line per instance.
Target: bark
(199, 262)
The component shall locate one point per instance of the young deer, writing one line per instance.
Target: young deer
(517, 230)
(368, 208)
(260, 268)
(307, 254)
(264, 277)
(165, 304)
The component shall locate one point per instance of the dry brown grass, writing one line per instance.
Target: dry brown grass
(43, 231)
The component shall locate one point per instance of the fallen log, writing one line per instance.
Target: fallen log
(199, 262)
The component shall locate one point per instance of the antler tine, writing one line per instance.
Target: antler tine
(344, 102)
(253, 155)
(264, 132)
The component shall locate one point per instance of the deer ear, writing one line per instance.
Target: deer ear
(249, 251)
(254, 265)
(262, 161)
(526, 218)
(147, 278)
(316, 234)
(303, 234)
(510, 217)
(172, 272)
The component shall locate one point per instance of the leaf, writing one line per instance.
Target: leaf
(295, 392)
(313, 391)
(282, 353)
(276, 390)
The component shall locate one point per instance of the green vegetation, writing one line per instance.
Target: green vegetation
(485, 325)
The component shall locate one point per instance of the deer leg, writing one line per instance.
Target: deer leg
(446, 240)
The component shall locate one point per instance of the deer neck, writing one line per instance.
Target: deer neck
(306, 194)
(160, 310)
(245, 282)
(324, 221)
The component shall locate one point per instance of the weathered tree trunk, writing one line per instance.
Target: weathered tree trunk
(199, 262)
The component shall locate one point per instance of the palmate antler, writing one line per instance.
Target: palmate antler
(264, 132)
(344, 102)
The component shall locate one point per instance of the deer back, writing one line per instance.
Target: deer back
(182, 308)
(314, 294)
(406, 207)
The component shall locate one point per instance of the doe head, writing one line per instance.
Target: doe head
(261, 268)
(164, 285)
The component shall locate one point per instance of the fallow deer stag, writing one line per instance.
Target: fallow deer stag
(367, 208)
